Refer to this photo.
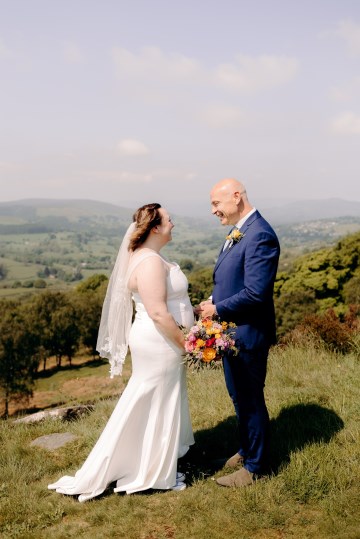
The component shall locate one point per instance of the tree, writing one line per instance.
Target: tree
(3, 271)
(88, 301)
(187, 264)
(89, 305)
(200, 284)
(291, 308)
(322, 280)
(56, 324)
(18, 354)
(39, 283)
(92, 283)
(352, 289)
(65, 332)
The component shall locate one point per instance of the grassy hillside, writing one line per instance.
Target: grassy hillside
(314, 490)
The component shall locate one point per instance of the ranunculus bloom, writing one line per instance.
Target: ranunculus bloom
(209, 354)
(189, 346)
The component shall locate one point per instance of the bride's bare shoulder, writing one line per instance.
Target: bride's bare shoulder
(146, 258)
(145, 263)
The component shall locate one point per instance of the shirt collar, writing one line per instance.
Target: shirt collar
(240, 223)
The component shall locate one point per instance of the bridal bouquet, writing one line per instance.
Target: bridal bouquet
(207, 341)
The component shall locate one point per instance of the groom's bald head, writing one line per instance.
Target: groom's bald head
(229, 200)
(229, 186)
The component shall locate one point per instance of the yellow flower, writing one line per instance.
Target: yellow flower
(199, 343)
(217, 335)
(209, 354)
(235, 235)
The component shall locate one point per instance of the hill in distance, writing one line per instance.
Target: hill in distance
(75, 210)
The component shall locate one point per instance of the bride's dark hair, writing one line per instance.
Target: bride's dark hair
(145, 219)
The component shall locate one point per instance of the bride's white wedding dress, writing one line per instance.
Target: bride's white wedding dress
(150, 426)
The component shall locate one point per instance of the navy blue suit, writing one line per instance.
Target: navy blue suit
(244, 277)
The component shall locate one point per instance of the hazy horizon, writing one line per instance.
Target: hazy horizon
(127, 102)
(301, 210)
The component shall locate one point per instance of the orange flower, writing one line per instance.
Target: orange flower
(200, 343)
(207, 322)
(209, 354)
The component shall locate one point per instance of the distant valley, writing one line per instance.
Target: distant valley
(55, 243)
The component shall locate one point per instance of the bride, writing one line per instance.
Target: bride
(150, 426)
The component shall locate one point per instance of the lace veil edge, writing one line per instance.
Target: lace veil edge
(117, 311)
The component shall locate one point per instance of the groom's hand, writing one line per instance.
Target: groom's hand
(207, 309)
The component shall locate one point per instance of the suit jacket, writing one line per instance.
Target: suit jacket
(244, 276)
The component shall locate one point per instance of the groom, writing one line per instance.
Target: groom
(244, 277)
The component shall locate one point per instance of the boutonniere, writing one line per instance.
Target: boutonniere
(234, 237)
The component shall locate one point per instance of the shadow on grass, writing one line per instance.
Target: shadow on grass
(300, 425)
(293, 429)
(92, 363)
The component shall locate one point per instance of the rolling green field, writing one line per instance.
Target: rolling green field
(73, 239)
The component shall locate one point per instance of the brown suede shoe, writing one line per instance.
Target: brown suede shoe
(235, 461)
(240, 478)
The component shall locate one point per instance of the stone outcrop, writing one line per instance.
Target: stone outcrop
(53, 441)
(65, 414)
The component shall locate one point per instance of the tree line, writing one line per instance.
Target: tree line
(51, 324)
(319, 294)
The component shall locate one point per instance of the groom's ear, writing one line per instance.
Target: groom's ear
(237, 197)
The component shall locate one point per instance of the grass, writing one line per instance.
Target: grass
(82, 382)
(313, 492)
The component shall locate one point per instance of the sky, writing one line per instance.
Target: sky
(135, 101)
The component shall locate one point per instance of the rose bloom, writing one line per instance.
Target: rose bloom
(200, 343)
(189, 346)
(209, 354)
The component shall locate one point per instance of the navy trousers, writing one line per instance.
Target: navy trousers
(245, 380)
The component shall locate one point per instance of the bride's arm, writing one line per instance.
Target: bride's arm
(150, 278)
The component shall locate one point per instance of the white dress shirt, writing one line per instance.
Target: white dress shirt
(239, 224)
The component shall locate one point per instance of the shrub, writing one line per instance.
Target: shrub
(328, 328)
(39, 283)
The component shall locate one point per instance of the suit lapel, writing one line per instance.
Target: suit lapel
(243, 229)
(221, 257)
